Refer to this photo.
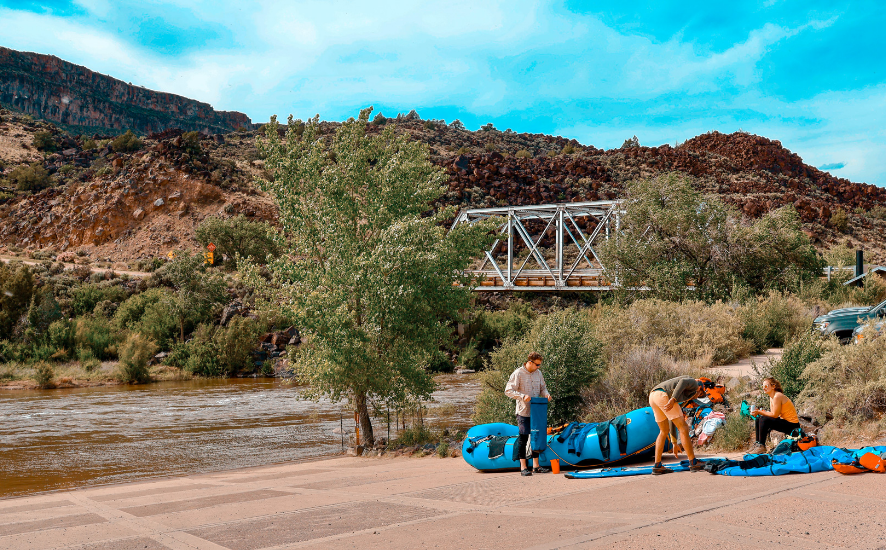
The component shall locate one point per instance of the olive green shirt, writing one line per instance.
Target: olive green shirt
(680, 389)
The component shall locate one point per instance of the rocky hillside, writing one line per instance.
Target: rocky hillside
(52, 89)
(112, 204)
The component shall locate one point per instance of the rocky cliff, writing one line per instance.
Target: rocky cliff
(47, 87)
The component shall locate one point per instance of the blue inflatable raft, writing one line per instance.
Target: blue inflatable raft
(490, 447)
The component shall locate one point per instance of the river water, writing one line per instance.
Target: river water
(56, 439)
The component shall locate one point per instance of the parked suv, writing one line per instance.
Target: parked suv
(841, 323)
(868, 331)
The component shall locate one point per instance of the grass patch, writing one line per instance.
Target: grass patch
(734, 435)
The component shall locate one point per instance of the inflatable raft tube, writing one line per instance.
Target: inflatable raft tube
(640, 427)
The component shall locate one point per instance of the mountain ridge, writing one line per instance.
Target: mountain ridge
(50, 88)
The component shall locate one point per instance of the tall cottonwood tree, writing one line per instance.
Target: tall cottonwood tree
(369, 272)
(673, 237)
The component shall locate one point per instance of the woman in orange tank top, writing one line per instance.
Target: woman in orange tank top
(782, 416)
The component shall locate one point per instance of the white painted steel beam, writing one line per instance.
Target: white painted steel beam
(575, 266)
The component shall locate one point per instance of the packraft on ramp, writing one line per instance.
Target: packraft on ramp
(490, 447)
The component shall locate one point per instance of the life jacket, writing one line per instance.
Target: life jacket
(715, 392)
(873, 462)
(848, 469)
(552, 430)
(807, 441)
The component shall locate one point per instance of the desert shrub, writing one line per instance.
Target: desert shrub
(630, 142)
(772, 320)
(105, 308)
(135, 353)
(44, 254)
(687, 330)
(839, 256)
(238, 236)
(492, 404)
(217, 351)
(235, 343)
(87, 359)
(568, 149)
(43, 141)
(847, 383)
(789, 369)
(379, 120)
(84, 298)
(443, 450)
(735, 434)
(573, 359)
(131, 310)
(839, 220)
(157, 323)
(61, 334)
(16, 289)
(125, 143)
(29, 178)
(197, 292)
(416, 435)
(523, 154)
(95, 334)
(43, 374)
(191, 143)
(89, 144)
(43, 311)
(471, 358)
(490, 328)
(441, 364)
(878, 212)
(629, 376)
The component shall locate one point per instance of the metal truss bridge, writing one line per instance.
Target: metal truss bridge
(549, 247)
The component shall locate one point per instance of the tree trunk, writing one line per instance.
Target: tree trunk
(367, 439)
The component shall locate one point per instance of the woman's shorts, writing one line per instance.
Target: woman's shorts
(657, 400)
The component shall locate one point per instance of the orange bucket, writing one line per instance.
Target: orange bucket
(555, 466)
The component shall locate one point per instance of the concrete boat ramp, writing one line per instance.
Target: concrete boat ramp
(431, 502)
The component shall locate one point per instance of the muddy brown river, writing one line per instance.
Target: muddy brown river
(58, 439)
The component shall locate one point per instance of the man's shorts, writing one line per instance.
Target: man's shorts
(657, 400)
(523, 424)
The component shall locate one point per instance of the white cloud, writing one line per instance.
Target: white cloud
(489, 59)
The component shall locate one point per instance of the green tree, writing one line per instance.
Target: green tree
(371, 274)
(573, 360)
(673, 237)
(238, 236)
(197, 292)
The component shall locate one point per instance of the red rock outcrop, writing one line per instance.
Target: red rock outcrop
(47, 87)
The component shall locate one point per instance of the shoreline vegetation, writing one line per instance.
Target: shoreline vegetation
(360, 294)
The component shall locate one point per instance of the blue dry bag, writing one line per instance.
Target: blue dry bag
(538, 424)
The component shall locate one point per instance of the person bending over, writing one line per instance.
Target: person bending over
(666, 400)
(781, 416)
(525, 383)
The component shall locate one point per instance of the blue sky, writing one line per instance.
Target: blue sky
(810, 74)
